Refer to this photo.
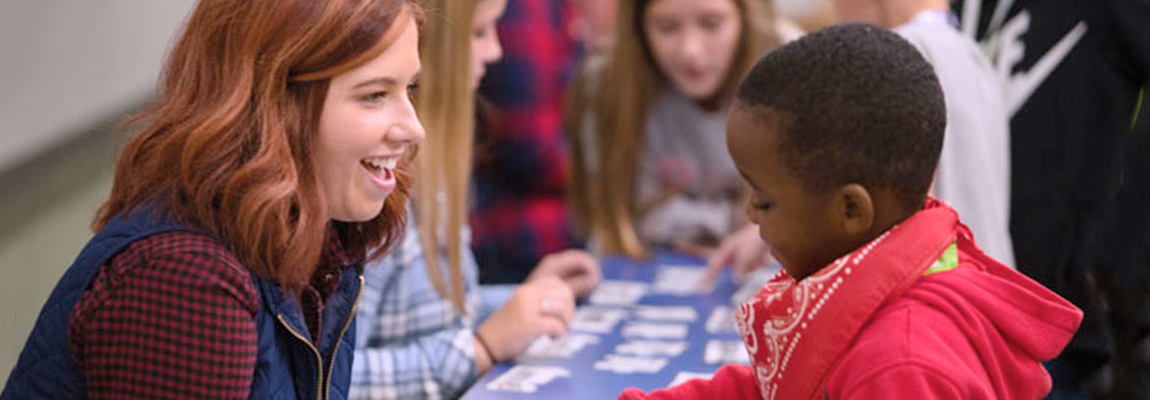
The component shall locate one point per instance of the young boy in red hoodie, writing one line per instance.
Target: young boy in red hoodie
(883, 293)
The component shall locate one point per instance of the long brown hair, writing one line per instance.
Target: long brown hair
(618, 93)
(227, 147)
(445, 104)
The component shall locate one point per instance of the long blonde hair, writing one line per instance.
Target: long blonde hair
(445, 104)
(618, 94)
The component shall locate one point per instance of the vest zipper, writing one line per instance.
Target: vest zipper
(318, 357)
(346, 324)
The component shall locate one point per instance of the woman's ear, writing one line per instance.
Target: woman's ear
(857, 209)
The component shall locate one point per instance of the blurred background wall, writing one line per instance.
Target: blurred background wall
(70, 70)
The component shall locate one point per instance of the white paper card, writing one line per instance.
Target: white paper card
(562, 347)
(722, 320)
(667, 313)
(680, 280)
(623, 293)
(725, 352)
(752, 283)
(652, 330)
(526, 378)
(651, 348)
(597, 319)
(630, 364)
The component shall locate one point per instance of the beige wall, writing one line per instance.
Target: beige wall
(65, 66)
(67, 63)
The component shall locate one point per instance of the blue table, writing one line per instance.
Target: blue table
(586, 382)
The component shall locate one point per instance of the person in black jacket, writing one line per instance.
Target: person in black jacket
(1076, 75)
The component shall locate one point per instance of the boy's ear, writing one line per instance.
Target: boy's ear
(857, 209)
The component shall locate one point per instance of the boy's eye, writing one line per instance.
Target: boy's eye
(758, 205)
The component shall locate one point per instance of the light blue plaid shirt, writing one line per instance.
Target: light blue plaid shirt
(410, 342)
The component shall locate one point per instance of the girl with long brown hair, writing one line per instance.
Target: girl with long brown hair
(427, 329)
(227, 261)
(647, 118)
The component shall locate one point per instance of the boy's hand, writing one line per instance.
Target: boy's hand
(577, 268)
(743, 250)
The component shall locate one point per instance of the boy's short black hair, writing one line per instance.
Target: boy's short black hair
(856, 104)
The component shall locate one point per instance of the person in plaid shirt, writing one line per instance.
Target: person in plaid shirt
(411, 343)
(519, 212)
(422, 331)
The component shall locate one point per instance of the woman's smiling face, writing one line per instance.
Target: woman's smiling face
(367, 123)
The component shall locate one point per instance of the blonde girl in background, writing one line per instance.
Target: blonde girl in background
(424, 330)
(647, 121)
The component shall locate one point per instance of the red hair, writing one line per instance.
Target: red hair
(228, 145)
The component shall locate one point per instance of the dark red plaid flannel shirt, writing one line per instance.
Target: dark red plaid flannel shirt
(172, 316)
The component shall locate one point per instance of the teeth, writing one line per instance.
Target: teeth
(382, 162)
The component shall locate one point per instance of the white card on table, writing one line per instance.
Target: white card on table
(597, 319)
(562, 347)
(526, 378)
(752, 283)
(680, 280)
(624, 293)
(725, 352)
(684, 376)
(630, 364)
(650, 348)
(667, 313)
(722, 320)
(652, 330)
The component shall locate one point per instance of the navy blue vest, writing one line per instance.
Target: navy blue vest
(288, 365)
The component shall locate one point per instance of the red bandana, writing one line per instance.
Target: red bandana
(796, 331)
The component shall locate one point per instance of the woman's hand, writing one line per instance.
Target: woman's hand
(540, 306)
(743, 250)
(577, 268)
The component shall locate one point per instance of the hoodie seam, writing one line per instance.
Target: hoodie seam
(909, 355)
(904, 362)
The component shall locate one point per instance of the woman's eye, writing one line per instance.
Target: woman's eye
(412, 89)
(666, 27)
(374, 98)
(482, 32)
(711, 23)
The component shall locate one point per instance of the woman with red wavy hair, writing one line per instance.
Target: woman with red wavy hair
(227, 260)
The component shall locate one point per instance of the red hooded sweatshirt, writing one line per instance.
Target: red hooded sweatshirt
(918, 313)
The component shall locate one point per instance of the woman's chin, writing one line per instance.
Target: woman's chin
(359, 215)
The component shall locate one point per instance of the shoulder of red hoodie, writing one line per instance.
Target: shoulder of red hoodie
(979, 331)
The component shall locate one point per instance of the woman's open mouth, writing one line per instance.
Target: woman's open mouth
(382, 171)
